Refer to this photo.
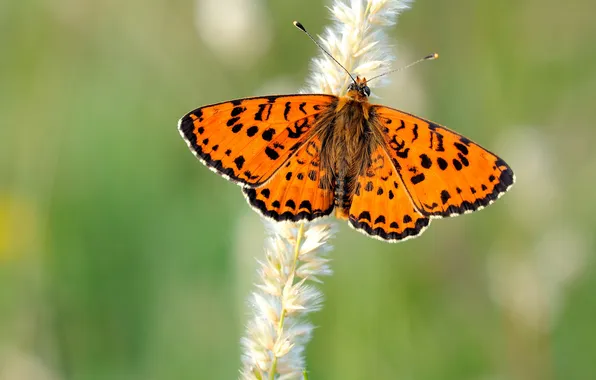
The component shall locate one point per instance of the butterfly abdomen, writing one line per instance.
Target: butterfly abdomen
(342, 197)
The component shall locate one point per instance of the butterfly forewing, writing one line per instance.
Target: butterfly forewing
(444, 173)
(300, 190)
(248, 140)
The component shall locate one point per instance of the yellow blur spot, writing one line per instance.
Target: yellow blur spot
(18, 224)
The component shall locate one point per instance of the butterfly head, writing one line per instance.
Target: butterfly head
(359, 90)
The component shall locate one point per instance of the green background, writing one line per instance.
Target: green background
(122, 257)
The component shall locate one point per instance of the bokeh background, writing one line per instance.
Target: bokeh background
(121, 257)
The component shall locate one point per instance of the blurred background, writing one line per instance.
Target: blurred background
(122, 257)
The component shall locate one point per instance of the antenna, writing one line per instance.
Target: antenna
(429, 57)
(302, 28)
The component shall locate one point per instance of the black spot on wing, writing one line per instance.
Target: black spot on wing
(231, 121)
(287, 110)
(306, 205)
(461, 147)
(239, 161)
(237, 111)
(445, 196)
(417, 178)
(248, 174)
(425, 161)
(301, 108)
(457, 164)
(268, 134)
(271, 153)
(357, 190)
(261, 115)
(463, 159)
(250, 132)
(364, 215)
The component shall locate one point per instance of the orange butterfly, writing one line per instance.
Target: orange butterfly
(300, 157)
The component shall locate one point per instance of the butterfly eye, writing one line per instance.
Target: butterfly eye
(366, 90)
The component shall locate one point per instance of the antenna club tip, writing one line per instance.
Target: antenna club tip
(298, 25)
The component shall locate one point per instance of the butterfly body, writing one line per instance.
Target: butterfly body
(347, 144)
(300, 157)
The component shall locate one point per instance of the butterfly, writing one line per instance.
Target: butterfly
(305, 156)
(301, 157)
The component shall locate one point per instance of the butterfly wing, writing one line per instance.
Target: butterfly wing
(300, 190)
(248, 140)
(381, 206)
(444, 173)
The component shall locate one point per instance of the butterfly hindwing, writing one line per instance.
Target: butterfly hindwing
(381, 206)
(444, 173)
(300, 190)
(248, 140)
